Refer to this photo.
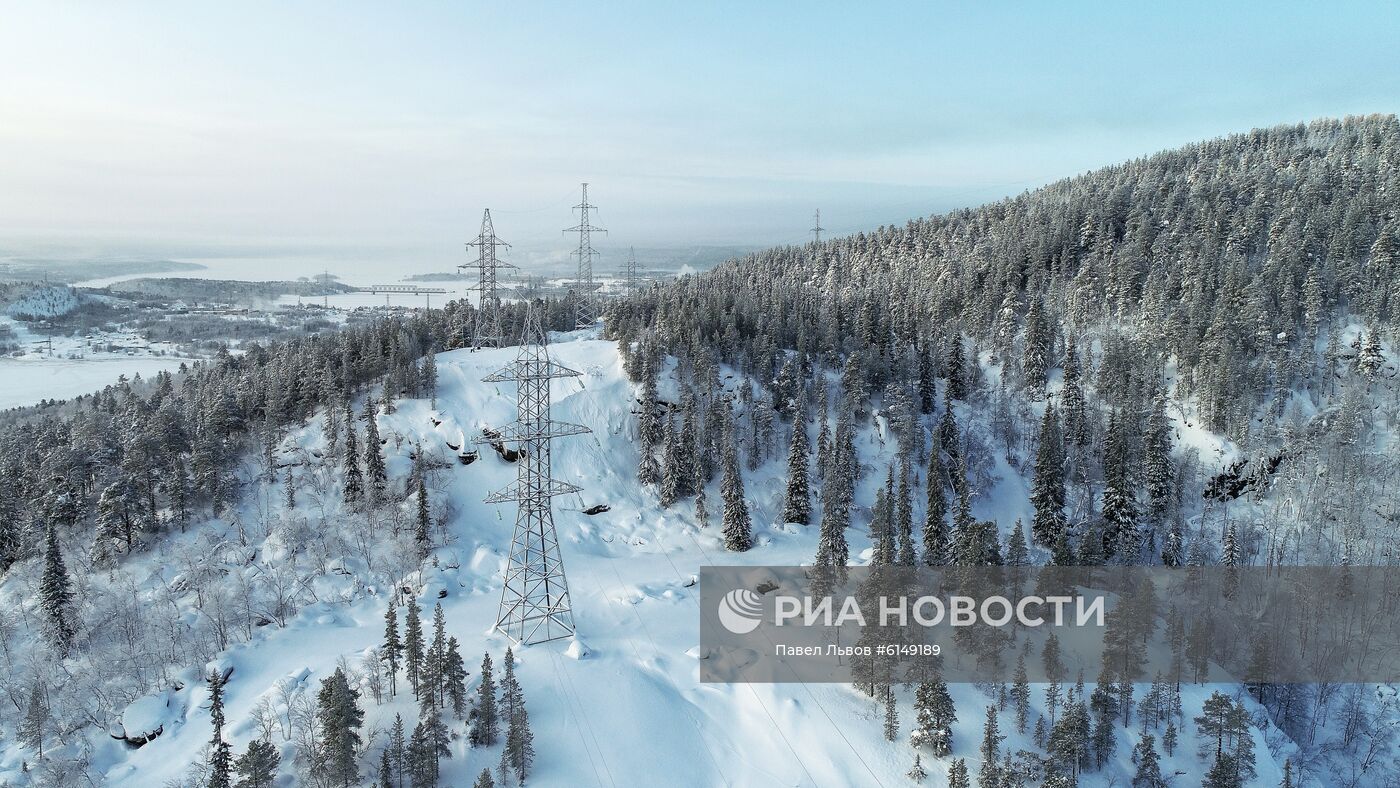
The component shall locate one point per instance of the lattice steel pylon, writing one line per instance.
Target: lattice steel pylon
(817, 228)
(629, 273)
(487, 331)
(535, 604)
(585, 310)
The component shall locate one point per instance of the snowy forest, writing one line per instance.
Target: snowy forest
(1188, 359)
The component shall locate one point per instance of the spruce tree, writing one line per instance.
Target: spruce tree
(435, 660)
(797, 504)
(486, 727)
(220, 756)
(36, 719)
(484, 780)
(455, 677)
(340, 717)
(1121, 536)
(354, 489)
(916, 772)
(904, 522)
(958, 776)
(738, 532)
(989, 776)
(934, 715)
(56, 595)
(1157, 461)
(413, 648)
(1021, 694)
(519, 740)
(891, 714)
(397, 749)
(671, 485)
(422, 533)
(392, 649)
(1048, 489)
(375, 474)
(257, 766)
(935, 534)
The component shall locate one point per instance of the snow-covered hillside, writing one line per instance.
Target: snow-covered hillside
(620, 707)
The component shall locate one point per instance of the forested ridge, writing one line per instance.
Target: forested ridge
(1188, 359)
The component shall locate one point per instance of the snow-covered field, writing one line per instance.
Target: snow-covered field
(623, 706)
(78, 365)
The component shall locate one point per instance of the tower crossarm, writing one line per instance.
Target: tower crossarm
(533, 490)
(522, 431)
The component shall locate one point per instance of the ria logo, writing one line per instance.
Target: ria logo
(741, 611)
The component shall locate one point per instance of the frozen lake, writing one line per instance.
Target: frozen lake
(27, 381)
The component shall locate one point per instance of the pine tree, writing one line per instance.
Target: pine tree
(392, 649)
(1169, 738)
(377, 477)
(220, 756)
(55, 595)
(1222, 773)
(797, 504)
(1287, 781)
(257, 766)
(340, 718)
(1149, 768)
(1048, 490)
(413, 650)
(484, 780)
(485, 730)
(738, 533)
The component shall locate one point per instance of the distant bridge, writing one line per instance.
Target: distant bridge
(400, 290)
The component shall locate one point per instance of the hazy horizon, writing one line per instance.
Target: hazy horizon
(378, 135)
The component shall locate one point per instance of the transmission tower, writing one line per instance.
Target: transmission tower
(817, 228)
(535, 598)
(487, 331)
(629, 272)
(586, 311)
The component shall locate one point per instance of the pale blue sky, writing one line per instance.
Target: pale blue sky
(390, 126)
